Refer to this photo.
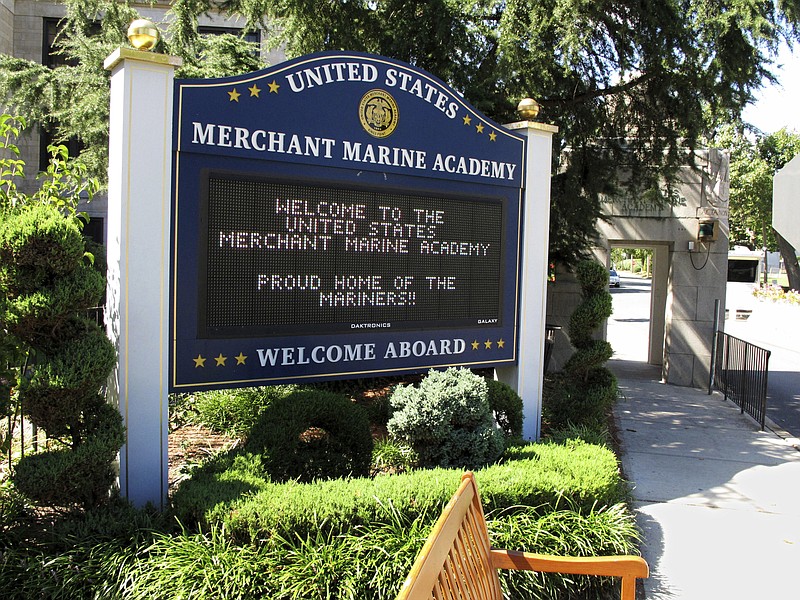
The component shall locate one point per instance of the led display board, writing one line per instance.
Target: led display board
(339, 216)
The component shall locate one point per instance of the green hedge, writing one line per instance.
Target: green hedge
(349, 539)
(312, 434)
(232, 492)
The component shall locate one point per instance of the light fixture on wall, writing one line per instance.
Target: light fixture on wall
(707, 229)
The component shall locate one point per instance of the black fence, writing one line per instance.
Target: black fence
(740, 372)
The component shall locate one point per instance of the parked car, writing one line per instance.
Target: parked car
(613, 278)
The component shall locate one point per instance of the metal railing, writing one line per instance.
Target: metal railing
(740, 372)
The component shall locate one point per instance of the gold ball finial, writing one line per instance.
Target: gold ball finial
(528, 109)
(143, 34)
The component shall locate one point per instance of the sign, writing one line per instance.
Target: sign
(336, 216)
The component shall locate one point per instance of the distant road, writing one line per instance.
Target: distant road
(629, 325)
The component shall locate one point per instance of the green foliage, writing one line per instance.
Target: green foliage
(47, 280)
(233, 490)
(64, 180)
(80, 475)
(600, 532)
(235, 412)
(754, 159)
(393, 456)
(506, 406)
(569, 403)
(352, 539)
(598, 436)
(12, 507)
(33, 316)
(447, 420)
(585, 390)
(37, 247)
(82, 362)
(312, 434)
(11, 166)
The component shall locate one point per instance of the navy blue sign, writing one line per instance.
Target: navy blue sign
(339, 216)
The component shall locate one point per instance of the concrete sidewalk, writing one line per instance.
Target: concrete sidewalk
(718, 500)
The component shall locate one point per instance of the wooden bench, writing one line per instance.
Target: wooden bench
(457, 561)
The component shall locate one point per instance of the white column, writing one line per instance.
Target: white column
(139, 192)
(526, 377)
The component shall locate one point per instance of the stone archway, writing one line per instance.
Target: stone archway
(690, 269)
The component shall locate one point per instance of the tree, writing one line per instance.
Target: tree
(632, 85)
(755, 158)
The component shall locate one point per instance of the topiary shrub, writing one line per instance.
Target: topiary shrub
(47, 280)
(585, 390)
(506, 406)
(447, 420)
(83, 474)
(312, 434)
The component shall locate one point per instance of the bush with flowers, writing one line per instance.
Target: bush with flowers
(776, 293)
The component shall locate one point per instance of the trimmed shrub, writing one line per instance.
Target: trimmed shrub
(37, 246)
(585, 390)
(233, 491)
(47, 279)
(447, 420)
(34, 316)
(235, 412)
(506, 406)
(81, 475)
(312, 434)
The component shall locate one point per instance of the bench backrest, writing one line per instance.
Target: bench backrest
(455, 561)
(458, 563)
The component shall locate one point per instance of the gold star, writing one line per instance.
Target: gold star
(475, 344)
(501, 343)
(493, 137)
(254, 91)
(240, 359)
(234, 95)
(488, 344)
(199, 361)
(467, 120)
(479, 127)
(273, 87)
(221, 360)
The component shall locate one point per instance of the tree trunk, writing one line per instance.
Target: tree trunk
(789, 255)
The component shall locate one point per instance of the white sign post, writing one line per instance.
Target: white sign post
(140, 165)
(526, 376)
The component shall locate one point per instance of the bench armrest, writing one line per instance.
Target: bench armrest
(629, 568)
(614, 566)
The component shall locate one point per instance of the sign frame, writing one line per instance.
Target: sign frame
(438, 147)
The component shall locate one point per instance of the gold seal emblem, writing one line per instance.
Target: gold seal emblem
(378, 113)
